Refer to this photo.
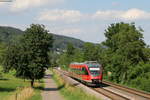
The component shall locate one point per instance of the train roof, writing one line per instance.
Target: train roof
(86, 62)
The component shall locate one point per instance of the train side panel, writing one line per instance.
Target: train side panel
(82, 73)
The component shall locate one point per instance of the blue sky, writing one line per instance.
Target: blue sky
(83, 19)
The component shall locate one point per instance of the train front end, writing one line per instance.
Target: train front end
(95, 71)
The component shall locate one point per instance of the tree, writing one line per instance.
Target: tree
(63, 61)
(2, 50)
(90, 51)
(78, 55)
(140, 76)
(72, 54)
(125, 47)
(147, 52)
(53, 58)
(70, 49)
(30, 57)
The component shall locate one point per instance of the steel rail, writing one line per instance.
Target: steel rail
(110, 94)
(130, 90)
(107, 93)
(113, 95)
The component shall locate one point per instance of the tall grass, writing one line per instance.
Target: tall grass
(22, 94)
(10, 86)
(71, 92)
(38, 87)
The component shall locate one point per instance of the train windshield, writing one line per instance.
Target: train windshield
(94, 69)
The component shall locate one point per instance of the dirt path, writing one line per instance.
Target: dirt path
(51, 91)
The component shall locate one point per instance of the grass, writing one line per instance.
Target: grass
(38, 87)
(70, 92)
(141, 85)
(22, 94)
(10, 86)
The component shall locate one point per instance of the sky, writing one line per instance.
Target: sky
(82, 19)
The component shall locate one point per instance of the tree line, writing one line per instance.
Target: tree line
(124, 55)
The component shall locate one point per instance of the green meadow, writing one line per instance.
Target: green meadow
(10, 86)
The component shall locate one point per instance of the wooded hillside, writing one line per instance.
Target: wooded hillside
(8, 34)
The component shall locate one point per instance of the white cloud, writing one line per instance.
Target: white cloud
(19, 5)
(69, 16)
(70, 31)
(3, 4)
(109, 14)
(131, 14)
(88, 26)
(135, 14)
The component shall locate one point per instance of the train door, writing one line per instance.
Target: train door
(85, 74)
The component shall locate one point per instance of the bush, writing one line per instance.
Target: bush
(140, 77)
(1, 76)
(141, 83)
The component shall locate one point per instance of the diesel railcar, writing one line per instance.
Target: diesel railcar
(88, 72)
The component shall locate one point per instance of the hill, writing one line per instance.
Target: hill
(60, 42)
(8, 34)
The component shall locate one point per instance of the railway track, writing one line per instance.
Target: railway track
(110, 94)
(116, 96)
(129, 90)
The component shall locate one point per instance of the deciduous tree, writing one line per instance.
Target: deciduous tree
(126, 48)
(30, 57)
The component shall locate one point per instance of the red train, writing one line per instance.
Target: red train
(89, 72)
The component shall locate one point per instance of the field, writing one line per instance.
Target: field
(12, 87)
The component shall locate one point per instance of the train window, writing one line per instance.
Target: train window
(94, 71)
(80, 71)
(84, 71)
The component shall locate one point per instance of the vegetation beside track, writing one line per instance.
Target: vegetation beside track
(12, 87)
(124, 55)
(71, 92)
(38, 87)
